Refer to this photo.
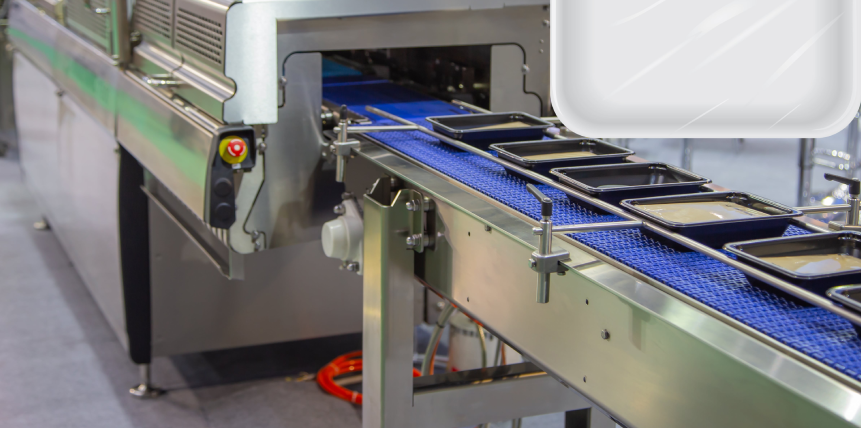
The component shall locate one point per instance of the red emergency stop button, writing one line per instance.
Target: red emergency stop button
(233, 149)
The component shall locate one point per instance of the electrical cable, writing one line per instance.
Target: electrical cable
(347, 363)
(480, 330)
(430, 352)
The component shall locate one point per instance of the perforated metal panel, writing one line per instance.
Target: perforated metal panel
(154, 20)
(200, 34)
(90, 18)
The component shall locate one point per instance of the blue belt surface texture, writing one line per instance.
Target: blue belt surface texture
(811, 330)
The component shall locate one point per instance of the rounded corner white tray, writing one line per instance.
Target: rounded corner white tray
(705, 68)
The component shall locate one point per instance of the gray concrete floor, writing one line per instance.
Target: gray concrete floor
(62, 366)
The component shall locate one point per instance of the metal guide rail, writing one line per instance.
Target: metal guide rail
(706, 275)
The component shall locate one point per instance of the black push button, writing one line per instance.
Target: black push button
(223, 187)
(224, 212)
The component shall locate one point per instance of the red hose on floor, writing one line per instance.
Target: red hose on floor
(347, 363)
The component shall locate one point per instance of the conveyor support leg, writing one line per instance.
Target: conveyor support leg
(390, 397)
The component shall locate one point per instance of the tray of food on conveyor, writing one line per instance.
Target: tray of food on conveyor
(616, 182)
(482, 130)
(850, 297)
(714, 219)
(815, 262)
(544, 155)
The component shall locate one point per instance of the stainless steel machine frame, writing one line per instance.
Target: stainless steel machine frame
(642, 352)
(117, 144)
(157, 97)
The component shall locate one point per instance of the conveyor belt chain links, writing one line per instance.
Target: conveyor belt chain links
(545, 260)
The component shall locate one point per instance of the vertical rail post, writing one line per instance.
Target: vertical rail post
(388, 305)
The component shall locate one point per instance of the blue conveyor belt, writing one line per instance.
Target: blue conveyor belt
(811, 330)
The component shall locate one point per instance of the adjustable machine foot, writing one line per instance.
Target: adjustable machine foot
(146, 389)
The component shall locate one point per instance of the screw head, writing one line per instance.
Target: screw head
(411, 241)
(411, 206)
(339, 209)
(353, 266)
(533, 264)
(605, 334)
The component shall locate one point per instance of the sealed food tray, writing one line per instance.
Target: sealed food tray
(714, 219)
(482, 130)
(850, 297)
(616, 182)
(544, 155)
(816, 278)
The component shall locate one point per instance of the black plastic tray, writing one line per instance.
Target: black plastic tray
(635, 180)
(604, 153)
(717, 233)
(850, 297)
(463, 127)
(750, 252)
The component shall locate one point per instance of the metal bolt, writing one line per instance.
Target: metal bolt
(255, 235)
(394, 182)
(339, 209)
(525, 69)
(605, 334)
(258, 246)
(546, 23)
(352, 266)
(261, 147)
(346, 195)
(411, 206)
(427, 203)
(532, 263)
(487, 228)
(411, 241)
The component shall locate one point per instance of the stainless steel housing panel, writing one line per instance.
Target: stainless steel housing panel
(199, 31)
(175, 149)
(78, 67)
(70, 163)
(154, 20)
(89, 75)
(299, 191)
(288, 294)
(92, 19)
(663, 364)
(253, 30)
(33, 33)
(293, 200)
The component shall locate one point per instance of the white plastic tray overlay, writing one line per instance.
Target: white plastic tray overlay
(705, 68)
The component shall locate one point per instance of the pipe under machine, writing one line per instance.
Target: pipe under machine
(188, 154)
